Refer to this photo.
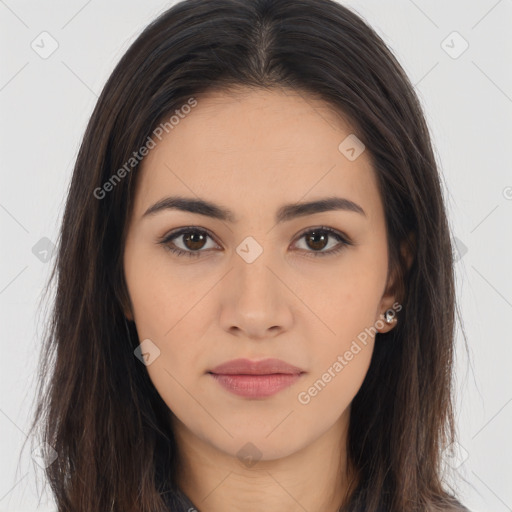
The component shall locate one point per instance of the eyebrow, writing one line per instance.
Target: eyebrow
(285, 213)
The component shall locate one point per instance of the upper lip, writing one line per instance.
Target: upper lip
(248, 367)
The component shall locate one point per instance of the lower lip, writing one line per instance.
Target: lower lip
(256, 386)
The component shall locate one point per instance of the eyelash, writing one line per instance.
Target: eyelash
(344, 241)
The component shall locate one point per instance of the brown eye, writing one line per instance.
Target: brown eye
(317, 239)
(191, 240)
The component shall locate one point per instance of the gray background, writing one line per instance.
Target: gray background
(467, 95)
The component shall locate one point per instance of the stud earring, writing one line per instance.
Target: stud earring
(389, 316)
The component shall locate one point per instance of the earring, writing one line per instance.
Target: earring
(389, 316)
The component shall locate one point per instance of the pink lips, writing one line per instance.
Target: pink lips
(256, 379)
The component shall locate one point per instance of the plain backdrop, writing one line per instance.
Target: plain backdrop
(457, 54)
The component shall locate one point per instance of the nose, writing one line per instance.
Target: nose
(255, 299)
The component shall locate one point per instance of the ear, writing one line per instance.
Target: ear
(126, 306)
(388, 308)
(128, 314)
(391, 301)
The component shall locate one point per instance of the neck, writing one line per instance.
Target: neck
(313, 478)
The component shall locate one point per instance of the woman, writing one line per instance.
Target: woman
(255, 299)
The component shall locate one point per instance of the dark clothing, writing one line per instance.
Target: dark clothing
(180, 502)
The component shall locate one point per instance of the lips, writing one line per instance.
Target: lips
(256, 379)
(248, 367)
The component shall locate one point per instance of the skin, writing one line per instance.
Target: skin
(252, 151)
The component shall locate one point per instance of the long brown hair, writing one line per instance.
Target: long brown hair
(96, 404)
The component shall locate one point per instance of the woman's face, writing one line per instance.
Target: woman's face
(254, 280)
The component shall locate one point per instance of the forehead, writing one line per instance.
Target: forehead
(255, 148)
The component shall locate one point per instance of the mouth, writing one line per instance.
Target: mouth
(256, 379)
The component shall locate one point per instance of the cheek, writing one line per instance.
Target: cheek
(343, 337)
(169, 319)
(159, 294)
(168, 311)
(343, 297)
(341, 356)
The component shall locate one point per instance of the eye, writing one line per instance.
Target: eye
(193, 240)
(317, 239)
